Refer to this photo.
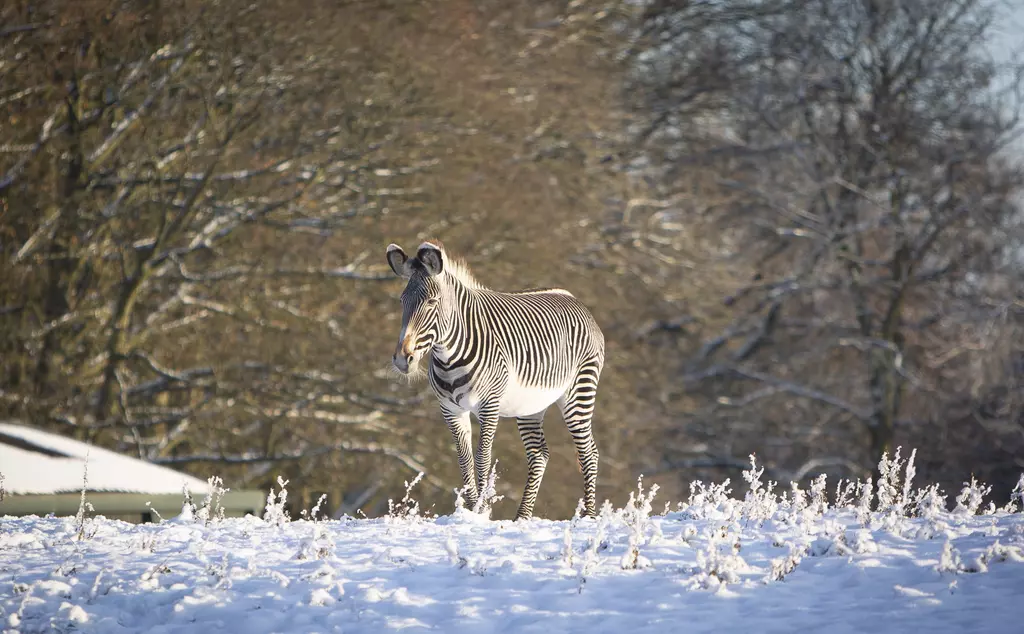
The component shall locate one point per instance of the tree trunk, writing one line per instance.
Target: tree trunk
(59, 261)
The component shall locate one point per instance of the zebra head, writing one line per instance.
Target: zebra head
(420, 302)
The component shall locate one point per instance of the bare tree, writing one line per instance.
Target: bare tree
(195, 200)
(854, 164)
(168, 192)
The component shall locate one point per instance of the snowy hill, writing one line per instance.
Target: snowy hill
(852, 559)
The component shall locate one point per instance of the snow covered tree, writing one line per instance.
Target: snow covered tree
(854, 162)
(172, 196)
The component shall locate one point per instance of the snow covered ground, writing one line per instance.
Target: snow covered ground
(852, 559)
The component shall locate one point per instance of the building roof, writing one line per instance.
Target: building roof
(33, 461)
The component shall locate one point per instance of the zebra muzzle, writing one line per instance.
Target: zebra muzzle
(402, 361)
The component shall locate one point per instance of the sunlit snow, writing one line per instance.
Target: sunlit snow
(888, 559)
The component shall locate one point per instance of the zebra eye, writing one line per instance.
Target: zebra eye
(433, 301)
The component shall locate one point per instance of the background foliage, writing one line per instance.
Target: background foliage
(798, 224)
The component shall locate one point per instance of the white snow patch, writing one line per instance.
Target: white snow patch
(716, 565)
(37, 462)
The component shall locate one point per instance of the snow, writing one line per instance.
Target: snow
(765, 563)
(33, 469)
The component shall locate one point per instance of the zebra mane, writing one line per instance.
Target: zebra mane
(455, 267)
(460, 271)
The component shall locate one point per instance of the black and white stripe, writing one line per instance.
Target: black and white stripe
(501, 354)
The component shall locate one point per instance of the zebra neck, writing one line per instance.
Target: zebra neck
(460, 332)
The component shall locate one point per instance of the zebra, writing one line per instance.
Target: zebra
(500, 354)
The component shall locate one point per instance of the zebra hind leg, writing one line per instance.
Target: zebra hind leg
(531, 430)
(577, 407)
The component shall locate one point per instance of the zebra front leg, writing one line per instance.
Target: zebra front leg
(531, 430)
(488, 419)
(577, 407)
(462, 432)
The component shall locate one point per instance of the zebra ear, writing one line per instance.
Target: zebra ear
(397, 260)
(431, 258)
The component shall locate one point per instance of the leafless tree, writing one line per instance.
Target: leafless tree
(195, 199)
(168, 191)
(853, 160)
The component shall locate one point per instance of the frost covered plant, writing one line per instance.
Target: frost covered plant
(460, 501)
(156, 513)
(212, 508)
(971, 497)
(864, 498)
(1016, 496)
(782, 566)
(84, 507)
(98, 586)
(929, 502)
(451, 546)
(846, 493)
(406, 508)
(567, 552)
(818, 504)
(146, 542)
(636, 516)
(16, 619)
(687, 534)
(797, 502)
(3, 491)
(949, 559)
(930, 505)
(997, 553)
(888, 479)
(862, 542)
(894, 491)
(801, 507)
(489, 495)
(831, 541)
(909, 471)
(567, 548)
(275, 512)
(760, 503)
(708, 501)
(320, 544)
(188, 507)
(719, 563)
(314, 514)
(597, 544)
(219, 570)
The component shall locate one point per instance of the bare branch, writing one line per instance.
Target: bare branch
(49, 128)
(786, 386)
